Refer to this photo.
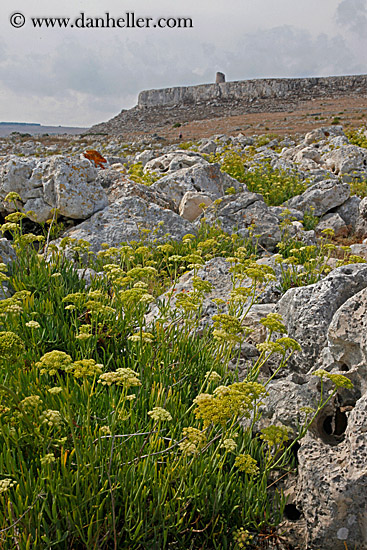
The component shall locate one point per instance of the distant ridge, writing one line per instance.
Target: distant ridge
(251, 90)
(20, 124)
(183, 104)
(34, 128)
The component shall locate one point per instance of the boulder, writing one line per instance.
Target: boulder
(171, 162)
(282, 212)
(334, 222)
(237, 213)
(38, 210)
(332, 457)
(15, 174)
(361, 223)
(346, 159)
(207, 179)
(347, 337)
(323, 134)
(190, 208)
(57, 182)
(308, 153)
(359, 250)
(331, 482)
(307, 311)
(145, 156)
(321, 197)
(349, 211)
(208, 147)
(131, 219)
(118, 186)
(71, 187)
(217, 272)
(88, 275)
(285, 401)
(7, 252)
(7, 257)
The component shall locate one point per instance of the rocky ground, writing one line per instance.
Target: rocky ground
(154, 188)
(256, 117)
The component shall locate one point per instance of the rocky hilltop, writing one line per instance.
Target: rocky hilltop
(239, 105)
(248, 91)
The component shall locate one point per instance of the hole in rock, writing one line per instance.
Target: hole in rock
(344, 368)
(291, 512)
(333, 427)
(295, 450)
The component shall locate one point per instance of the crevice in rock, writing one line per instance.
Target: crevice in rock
(331, 427)
(294, 451)
(291, 512)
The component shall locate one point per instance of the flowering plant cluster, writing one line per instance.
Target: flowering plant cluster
(122, 424)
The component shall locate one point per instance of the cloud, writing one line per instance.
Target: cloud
(81, 82)
(352, 15)
(287, 51)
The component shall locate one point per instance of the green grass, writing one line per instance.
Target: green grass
(116, 433)
(276, 186)
(357, 137)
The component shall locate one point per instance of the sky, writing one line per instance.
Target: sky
(79, 77)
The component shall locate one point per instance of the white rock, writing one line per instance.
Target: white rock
(170, 162)
(207, 179)
(190, 208)
(125, 220)
(70, 186)
(346, 159)
(321, 197)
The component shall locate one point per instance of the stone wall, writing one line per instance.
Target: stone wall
(248, 90)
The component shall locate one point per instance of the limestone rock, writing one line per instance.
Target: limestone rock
(359, 250)
(7, 256)
(236, 213)
(322, 197)
(334, 222)
(284, 402)
(118, 186)
(7, 252)
(208, 147)
(307, 311)
(57, 182)
(216, 272)
(177, 160)
(38, 210)
(347, 337)
(361, 223)
(282, 213)
(15, 173)
(145, 156)
(207, 179)
(70, 186)
(308, 153)
(349, 211)
(88, 275)
(190, 205)
(125, 220)
(322, 134)
(346, 159)
(331, 484)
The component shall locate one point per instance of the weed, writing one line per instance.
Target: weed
(136, 173)
(120, 432)
(358, 137)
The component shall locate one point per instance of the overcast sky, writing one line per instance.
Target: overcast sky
(79, 77)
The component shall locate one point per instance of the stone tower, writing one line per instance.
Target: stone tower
(220, 78)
